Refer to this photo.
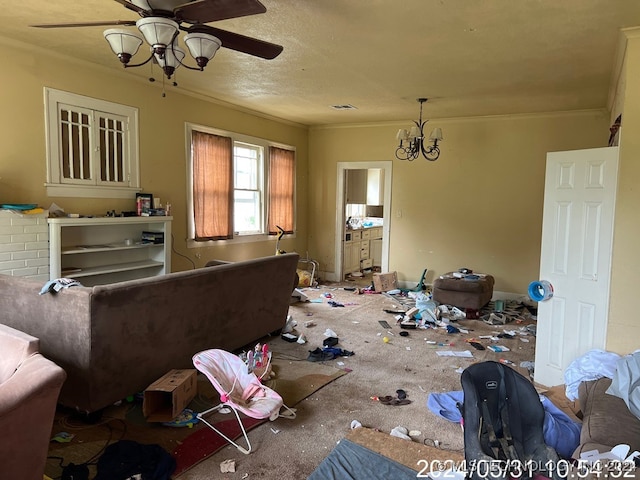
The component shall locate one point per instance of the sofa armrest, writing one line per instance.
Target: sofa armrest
(606, 419)
(27, 408)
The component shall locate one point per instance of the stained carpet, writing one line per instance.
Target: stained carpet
(295, 380)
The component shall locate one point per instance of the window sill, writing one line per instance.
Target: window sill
(191, 243)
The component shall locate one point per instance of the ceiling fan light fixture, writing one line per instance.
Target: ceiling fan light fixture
(123, 43)
(202, 47)
(158, 32)
(171, 60)
(160, 25)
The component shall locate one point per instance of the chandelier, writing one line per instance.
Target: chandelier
(162, 36)
(412, 142)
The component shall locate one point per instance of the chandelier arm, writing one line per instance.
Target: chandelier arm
(126, 65)
(431, 153)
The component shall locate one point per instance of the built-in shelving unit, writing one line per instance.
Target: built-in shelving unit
(108, 249)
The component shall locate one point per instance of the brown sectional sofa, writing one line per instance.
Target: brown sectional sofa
(606, 420)
(114, 340)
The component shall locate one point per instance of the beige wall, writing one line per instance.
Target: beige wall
(479, 206)
(162, 142)
(624, 322)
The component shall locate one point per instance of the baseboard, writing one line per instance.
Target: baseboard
(498, 295)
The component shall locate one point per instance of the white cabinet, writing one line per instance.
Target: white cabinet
(103, 250)
(375, 186)
(356, 186)
(351, 257)
(376, 252)
(362, 250)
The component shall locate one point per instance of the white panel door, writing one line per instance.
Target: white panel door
(577, 233)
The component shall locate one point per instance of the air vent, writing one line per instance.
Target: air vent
(346, 106)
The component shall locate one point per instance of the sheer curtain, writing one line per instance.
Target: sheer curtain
(281, 190)
(212, 186)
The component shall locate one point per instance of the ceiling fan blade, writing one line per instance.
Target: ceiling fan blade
(85, 24)
(205, 11)
(130, 6)
(241, 43)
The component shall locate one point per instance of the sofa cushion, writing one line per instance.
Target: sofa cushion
(16, 347)
(606, 419)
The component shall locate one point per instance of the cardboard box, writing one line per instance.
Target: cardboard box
(383, 282)
(165, 398)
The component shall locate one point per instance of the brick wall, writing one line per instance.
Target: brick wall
(24, 245)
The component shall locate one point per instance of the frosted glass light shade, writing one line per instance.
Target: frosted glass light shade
(172, 57)
(202, 47)
(171, 60)
(157, 31)
(123, 43)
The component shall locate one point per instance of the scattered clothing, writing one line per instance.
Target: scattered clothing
(592, 365)
(126, 458)
(54, 286)
(327, 353)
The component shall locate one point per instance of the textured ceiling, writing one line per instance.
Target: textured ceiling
(469, 57)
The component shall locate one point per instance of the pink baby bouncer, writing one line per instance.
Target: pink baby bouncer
(240, 391)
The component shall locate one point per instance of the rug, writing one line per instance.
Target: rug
(295, 380)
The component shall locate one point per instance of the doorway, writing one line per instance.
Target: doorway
(386, 171)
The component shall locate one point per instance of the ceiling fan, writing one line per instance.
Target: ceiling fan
(163, 19)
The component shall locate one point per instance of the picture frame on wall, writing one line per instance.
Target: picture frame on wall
(144, 203)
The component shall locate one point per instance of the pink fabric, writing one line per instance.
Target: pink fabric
(16, 347)
(28, 393)
(228, 374)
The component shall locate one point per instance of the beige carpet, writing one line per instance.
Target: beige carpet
(293, 449)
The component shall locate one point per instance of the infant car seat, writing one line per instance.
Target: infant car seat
(503, 425)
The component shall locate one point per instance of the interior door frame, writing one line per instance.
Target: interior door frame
(387, 167)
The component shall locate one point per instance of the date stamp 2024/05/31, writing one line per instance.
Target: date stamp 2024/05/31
(515, 469)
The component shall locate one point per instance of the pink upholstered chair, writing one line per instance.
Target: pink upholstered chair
(29, 389)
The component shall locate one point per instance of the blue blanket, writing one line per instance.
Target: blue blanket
(560, 431)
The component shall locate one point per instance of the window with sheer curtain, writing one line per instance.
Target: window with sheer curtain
(242, 188)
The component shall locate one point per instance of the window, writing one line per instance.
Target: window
(241, 188)
(92, 147)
